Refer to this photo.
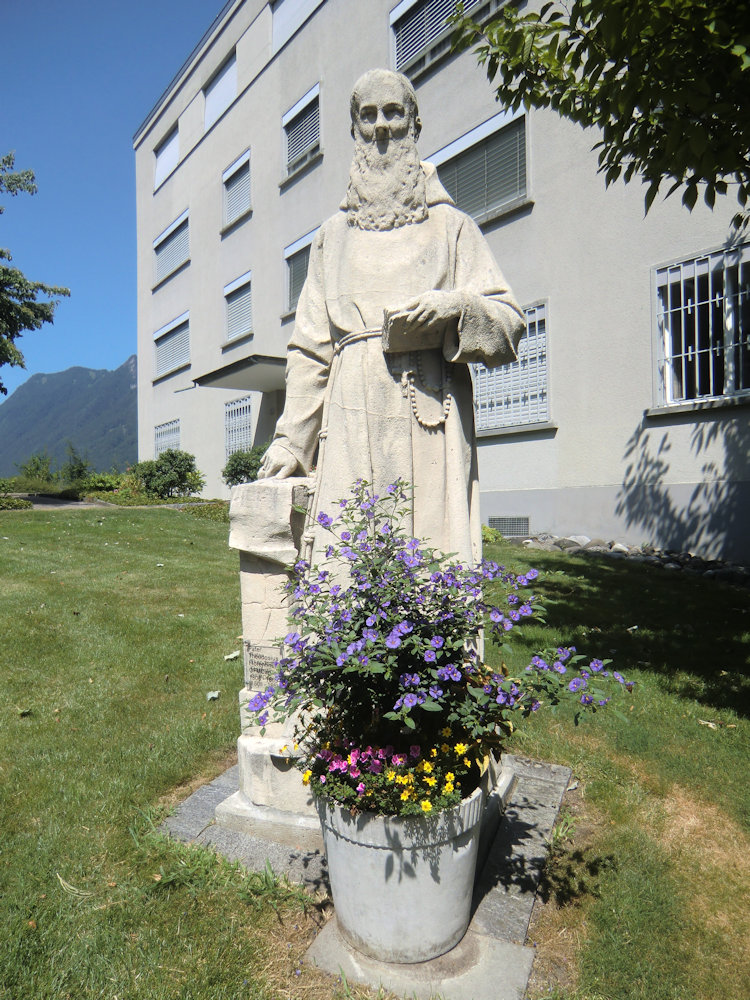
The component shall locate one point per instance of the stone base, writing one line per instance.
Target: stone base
(270, 789)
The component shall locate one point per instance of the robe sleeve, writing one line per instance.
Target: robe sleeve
(491, 322)
(308, 365)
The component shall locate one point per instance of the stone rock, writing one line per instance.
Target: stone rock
(580, 540)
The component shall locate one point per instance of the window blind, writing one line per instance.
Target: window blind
(490, 173)
(220, 92)
(237, 193)
(303, 135)
(172, 251)
(239, 312)
(421, 25)
(172, 350)
(238, 424)
(297, 266)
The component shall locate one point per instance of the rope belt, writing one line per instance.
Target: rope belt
(355, 335)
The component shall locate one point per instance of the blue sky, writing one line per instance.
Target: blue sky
(79, 77)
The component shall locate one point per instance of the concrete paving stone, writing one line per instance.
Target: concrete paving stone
(478, 968)
(301, 866)
(503, 916)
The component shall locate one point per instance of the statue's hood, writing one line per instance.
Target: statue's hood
(434, 190)
(436, 193)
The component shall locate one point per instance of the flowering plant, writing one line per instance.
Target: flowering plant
(397, 708)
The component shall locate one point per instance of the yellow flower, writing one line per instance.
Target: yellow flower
(390, 775)
(306, 777)
(447, 789)
(467, 762)
(430, 781)
(461, 748)
(402, 779)
(284, 748)
(426, 806)
(446, 732)
(445, 748)
(406, 794)
(433, 752)
(427, 767)
(450, 776)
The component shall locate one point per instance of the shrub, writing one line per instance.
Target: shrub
(103, 482)
(491, 536)
(216, 511)
(14, 503)
(172, 474)
(242, 466)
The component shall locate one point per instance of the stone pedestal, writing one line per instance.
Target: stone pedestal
(266, 523)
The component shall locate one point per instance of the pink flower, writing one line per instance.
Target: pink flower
(360, 789)
(414, 751)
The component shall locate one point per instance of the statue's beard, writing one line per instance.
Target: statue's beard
(386, 190)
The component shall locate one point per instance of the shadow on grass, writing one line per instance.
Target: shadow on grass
(692, 632)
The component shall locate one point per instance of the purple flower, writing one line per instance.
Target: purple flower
(437, 641)
(393, 641)
(325, 520)
(495, 615)
(429, 655)
(414, 751)
(618, 677)
(436, 693)
(576, 684)
(596, 666)
(559, 667)
(369, 633)
(586, 699)
(410, 700)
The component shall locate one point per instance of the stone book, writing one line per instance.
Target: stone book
(399, 336)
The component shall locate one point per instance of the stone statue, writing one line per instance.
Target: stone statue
(402, 292)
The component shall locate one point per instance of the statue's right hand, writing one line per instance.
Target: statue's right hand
(278, 463)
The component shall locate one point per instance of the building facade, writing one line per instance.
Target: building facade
(627, 414)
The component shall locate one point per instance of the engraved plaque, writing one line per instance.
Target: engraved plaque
(260, 670)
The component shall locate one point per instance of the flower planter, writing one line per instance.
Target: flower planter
(402, 886)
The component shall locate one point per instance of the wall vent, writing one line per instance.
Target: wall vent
(510, 527)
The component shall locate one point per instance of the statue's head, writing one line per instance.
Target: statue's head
(386, 181)
(384, 106)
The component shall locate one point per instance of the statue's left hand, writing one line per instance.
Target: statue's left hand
(432, 308)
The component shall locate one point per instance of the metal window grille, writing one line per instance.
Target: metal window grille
(172, 351)
(422, 29)
(516, 393)
(173, 251)
(511, 527)
(166, 436)
(239, 312)
(303, 136)
(237, 193)
(297, 268)
(703, 318)
(238, 425)
(490, 173)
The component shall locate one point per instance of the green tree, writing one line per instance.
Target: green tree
(19, 308)
(666, 82)
(38, 467)
(75, 467)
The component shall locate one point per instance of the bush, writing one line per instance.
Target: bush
(216, 511)
(103, 482)
(172, 474)
(242, 466)
(14, 503)
(491, 536)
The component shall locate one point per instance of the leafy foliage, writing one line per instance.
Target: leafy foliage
(399, 708)
(19, 308)
(666, 82)
(242, 466)
(172, 474)
(38, 467)
(75, 468)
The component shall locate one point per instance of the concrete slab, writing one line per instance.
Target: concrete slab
(479, 968)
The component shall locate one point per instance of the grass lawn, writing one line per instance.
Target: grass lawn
(114, 626)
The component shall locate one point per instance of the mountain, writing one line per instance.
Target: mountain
(94, 410)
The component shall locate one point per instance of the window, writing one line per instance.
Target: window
(420, 33)
(166, 436)
(516, 394)
(172, 248)
(166, 156)
(485, 169)
(172, 346)
(220, 92)
(703, 320)
(236, 180)
(297, 256)
(239, 307)
(287, 16)
(301, 126)
(238, 425)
